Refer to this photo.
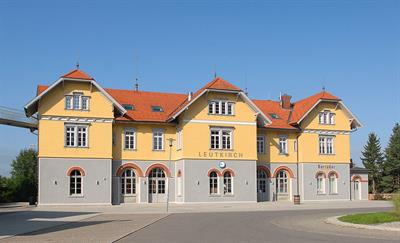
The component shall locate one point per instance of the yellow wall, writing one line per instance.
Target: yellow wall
(309, 142)
(342, 122)
(272, 146)
(196, 136)
(144, 142)
(53, 103)
(51, 133)
(51, 141)
(309, 149)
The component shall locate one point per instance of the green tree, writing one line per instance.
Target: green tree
(373, 160)
(391, 167)
(6, 194)
(24, 177)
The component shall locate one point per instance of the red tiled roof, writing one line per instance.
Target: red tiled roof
(172, 103)
(143, 102)
(300, 108)
(269, 107)
(220, 84)
(77, 74)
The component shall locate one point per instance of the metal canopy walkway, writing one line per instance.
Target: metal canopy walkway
(17, 118)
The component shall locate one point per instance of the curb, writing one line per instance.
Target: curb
(336, 221)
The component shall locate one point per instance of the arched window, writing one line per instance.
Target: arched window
(320, 183)
(213, 182)
(282, 182)
(75, 183)
(227, 182)
(128, 182)
(157, 181)
(333, 183)
(261, 181)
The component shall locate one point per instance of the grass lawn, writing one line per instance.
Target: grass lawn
(370, 218)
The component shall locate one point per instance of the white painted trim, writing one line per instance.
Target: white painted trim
(326, 132)
(84, 120)
(243, 95)
(121, 109)
(352, 117)
(220, 122)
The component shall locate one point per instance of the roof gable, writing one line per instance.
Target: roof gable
(303, 107)
(77, 74)
(221, 84)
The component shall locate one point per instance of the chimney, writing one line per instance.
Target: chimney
(285, 101)
(190, 95)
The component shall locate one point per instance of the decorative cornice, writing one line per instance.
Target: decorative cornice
(326, 132)
(77, 119)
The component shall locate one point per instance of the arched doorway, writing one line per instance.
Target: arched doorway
(157, 185)
(262, 185)
(128, 185)
(357, 188)
(282, 185)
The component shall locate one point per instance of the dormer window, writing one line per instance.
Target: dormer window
(156, 108)
(274, 116)
(77, 101)
(128, 107)
(221, 107)
(327, 117)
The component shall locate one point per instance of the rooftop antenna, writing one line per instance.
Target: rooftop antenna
(137, 75)
(245, 84)
(215, 71)
(323, 88)
(77, 65)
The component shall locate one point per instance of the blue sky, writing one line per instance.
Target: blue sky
(350, 47)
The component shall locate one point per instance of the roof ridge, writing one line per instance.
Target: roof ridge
(143, 91)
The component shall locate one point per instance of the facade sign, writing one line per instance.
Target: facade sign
(216, 154)
(326, 167)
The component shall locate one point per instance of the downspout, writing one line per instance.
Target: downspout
(297, 167)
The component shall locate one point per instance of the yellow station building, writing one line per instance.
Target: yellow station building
(110, 146)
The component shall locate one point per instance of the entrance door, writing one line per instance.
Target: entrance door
(282, 186)
(357, 189)
(262, 186)
(157, 186)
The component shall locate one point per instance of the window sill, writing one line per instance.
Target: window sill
(158, 150)
(229, 195)
(210, 114)
(214, 195)
(334, 193)
(321, 194)
(284, 154)
(76, 196)
(76, 147)
(212, 149)
(133, 150)
(327, 154)
(129, 195)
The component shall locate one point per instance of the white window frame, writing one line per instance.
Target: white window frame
(221, 107)
(229, 181)
(75, 178)
(260, 144)
(76, 134)
(133, 179)
(211, 192)
(326, 145)
(326, 117)
(158, 134)
(333, 185)
(320, 184)
(76, 101)
(283, 140)
(220, 135)
(129, 136)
